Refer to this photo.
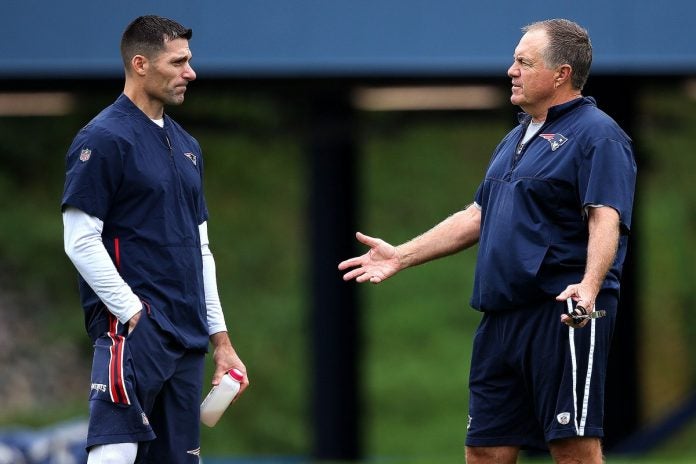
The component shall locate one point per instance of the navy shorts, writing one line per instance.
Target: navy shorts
(146, 388)
(534, 379)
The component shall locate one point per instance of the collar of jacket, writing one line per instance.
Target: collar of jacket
(557, 111)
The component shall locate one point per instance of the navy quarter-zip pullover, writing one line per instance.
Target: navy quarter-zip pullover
(534, 234)
(145, 183)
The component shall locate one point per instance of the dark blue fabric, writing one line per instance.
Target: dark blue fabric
(164, 384)
(145, 183)
(523, 372)
(534, 232)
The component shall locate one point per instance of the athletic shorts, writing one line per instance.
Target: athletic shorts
(146, 388)
(534, 379)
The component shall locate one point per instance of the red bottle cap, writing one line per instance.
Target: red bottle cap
(236, 374)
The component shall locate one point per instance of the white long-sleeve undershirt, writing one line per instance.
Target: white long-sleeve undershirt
(216, 318)
(83, 245)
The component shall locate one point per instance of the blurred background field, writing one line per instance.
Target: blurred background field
(415, 169)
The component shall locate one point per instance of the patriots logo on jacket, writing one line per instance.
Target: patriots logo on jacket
(191, 156)
(556, 140)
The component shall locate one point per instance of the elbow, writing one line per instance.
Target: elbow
(74, 247)
(69, 248)
(205, 251)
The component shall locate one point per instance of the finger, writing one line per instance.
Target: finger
(367, 240)
(353, 274)
(365, 277)
(588, 305)
(569, 292)
(352, 262)
(567, 320)
(217, 376)
(243, 385)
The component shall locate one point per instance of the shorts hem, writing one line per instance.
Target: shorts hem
(522, 442)
(571, 433)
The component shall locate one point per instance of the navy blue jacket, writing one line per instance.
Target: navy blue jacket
(534, 231)
(145, 183)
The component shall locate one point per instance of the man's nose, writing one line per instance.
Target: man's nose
(189, 73)
(512, 71)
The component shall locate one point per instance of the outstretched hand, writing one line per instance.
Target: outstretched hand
(379, 263)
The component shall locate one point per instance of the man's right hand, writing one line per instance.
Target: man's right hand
(379, 263)
(133, 321)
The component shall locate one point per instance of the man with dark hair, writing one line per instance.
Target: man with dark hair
(551, 218)
(147, 36)
(135, 227)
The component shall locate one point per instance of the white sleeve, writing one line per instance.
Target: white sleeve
(83, 244)
(216, 318)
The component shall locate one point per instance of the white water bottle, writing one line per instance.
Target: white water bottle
(220, 397)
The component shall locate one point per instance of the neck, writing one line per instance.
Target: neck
(153, 109)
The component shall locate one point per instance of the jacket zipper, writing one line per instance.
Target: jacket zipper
(522, 147)
(173, 161)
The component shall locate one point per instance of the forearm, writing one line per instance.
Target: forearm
(603, 243)
(84, 247)
(215, 316)
(457, 232)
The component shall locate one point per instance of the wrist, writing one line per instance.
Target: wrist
(133, 312)
(403, 256)
(220, 339)
(592, 284)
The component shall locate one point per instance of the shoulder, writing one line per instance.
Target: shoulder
(592, 123)
(512, 136)
(106, 133)
(108, 123)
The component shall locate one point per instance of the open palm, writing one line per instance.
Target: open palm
(379, 263)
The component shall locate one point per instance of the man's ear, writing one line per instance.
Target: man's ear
(562, 74)
(139, 64)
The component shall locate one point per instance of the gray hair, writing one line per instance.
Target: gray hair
(570, 44)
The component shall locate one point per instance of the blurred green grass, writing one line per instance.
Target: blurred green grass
(415, 170)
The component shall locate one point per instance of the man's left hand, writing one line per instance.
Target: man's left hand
(583, 296)
(225, 358)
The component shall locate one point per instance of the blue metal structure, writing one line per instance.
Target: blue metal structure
(325, 38)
